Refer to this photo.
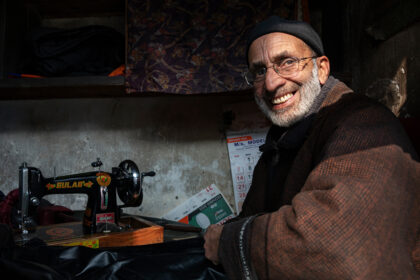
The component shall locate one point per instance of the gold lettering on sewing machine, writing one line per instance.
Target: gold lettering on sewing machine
(69, 185)
(103, 179)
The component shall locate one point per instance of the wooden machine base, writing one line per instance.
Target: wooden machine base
(137, 231)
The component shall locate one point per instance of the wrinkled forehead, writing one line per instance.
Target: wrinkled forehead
(270, 47)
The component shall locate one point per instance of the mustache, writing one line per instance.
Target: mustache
(281, 91)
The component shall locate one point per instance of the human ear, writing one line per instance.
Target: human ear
(323, 69)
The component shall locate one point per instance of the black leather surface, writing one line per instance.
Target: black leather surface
(172, 260)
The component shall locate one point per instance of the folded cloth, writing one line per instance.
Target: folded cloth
(7, 205)
(46, 213)
(54, 214)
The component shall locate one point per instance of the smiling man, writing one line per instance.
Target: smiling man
(335, 194)
(287, 93)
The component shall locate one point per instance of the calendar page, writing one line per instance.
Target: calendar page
(243, 154)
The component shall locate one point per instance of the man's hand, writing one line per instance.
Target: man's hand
(211, 244)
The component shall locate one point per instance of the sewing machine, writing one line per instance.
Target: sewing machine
(102, 212)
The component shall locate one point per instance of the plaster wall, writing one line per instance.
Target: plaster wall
(180, 138)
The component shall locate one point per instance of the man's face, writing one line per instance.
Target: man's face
(284, 100)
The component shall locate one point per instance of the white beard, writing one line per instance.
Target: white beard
(288, 116)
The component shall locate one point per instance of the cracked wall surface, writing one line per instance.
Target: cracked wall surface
(178, 138)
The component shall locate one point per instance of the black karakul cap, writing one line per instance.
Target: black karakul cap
(299, 29)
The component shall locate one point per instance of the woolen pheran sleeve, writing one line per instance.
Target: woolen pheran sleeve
(356, 216)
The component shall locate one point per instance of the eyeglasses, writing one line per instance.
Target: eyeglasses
(287, 68)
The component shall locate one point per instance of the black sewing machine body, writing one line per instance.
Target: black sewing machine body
(102, 212)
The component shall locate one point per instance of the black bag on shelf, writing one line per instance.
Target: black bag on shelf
(89, 50)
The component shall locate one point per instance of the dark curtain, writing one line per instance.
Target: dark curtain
(192, 46)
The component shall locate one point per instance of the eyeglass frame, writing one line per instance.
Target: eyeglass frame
(275, 68)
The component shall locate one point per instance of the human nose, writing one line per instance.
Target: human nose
(273, 80)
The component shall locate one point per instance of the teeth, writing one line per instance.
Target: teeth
(282, 99)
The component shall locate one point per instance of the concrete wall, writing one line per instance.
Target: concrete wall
(180, 138)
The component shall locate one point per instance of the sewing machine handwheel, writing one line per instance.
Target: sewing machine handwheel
(130, 191)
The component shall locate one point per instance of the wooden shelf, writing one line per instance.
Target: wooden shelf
(63, 87)
(88, 87)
